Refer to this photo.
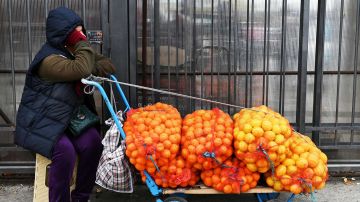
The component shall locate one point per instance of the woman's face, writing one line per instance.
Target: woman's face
(78, 28)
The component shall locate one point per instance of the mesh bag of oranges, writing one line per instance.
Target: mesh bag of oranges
(153, 135)
(175, 174)
(259, 137)
(303, 170)
(207, 138)
(231, 177)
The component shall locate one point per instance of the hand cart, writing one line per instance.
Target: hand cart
(176, 195)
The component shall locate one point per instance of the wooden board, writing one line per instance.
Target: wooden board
(202, 189)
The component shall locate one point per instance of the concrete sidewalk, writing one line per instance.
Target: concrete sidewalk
(335, 190)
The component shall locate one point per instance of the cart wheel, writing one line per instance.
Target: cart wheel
(175, 199)
(267, 196)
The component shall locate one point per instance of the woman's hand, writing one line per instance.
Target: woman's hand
(75, 36)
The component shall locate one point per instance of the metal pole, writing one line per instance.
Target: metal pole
(356, 56)
(168, 47)
(28, 31)
(12, 59)
(267, 56)
(247, 54)
(144, 48)
(251, 55)
(339, 68)
(201, 52)
(193, 56)
(177, 51)
(132, 35)
(319, 55)
(83, 12)
(229, 59)
(302, 65)
(46, 9)
(157, 48)
(264, 53)
(212, 50)
(283, 57)
(236, 30)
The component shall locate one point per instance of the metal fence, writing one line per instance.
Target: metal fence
(299, 57)
(22, 25)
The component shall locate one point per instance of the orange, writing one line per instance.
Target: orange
(288, 162)
(323, 157)
(308, 173)
(163, 137)
(316, 181)
(249, 138)
(312, 160)
(247, 128)
(251, 148)
(295, 188)
(166, 153)
(148, 141)
(200, 149)
(280, 170)
(227, 189)
(131, 147)
(270, 135)
(227, 142)
(243, 146)
(141, 127)
(319, 170)
(191, 158)
(276, 129)
(257, 131)
(184, 152)
(266, 125)
(256, 123)
(270, 181)
(174, 148)
(217, 142)
(262, 163)
(191, 148)
(134, 154)
(302, 163)
(279, 139)
(290, 170)
(167, 144)
(223, 149)
(160, 147)
(278, 186)
(285, 180)
(198, 132)
(215, 179)
(207, 181)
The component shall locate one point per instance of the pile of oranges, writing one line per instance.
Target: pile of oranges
(175, 174)
(174, 151)
(153, 134)
(207, 132)
(259, 137)
(303, 170)
(232, 177)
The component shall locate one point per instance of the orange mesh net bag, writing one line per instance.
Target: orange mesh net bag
(207, 138)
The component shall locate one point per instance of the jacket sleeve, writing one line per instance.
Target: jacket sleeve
(103, 66)
(57, 68)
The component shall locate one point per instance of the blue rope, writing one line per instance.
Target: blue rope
(272, 166)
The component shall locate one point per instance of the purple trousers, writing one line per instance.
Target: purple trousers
(88, 148)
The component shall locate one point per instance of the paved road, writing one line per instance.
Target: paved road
(335, 190)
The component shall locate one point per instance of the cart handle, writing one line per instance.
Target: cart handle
(108, 104)
(112, 77)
